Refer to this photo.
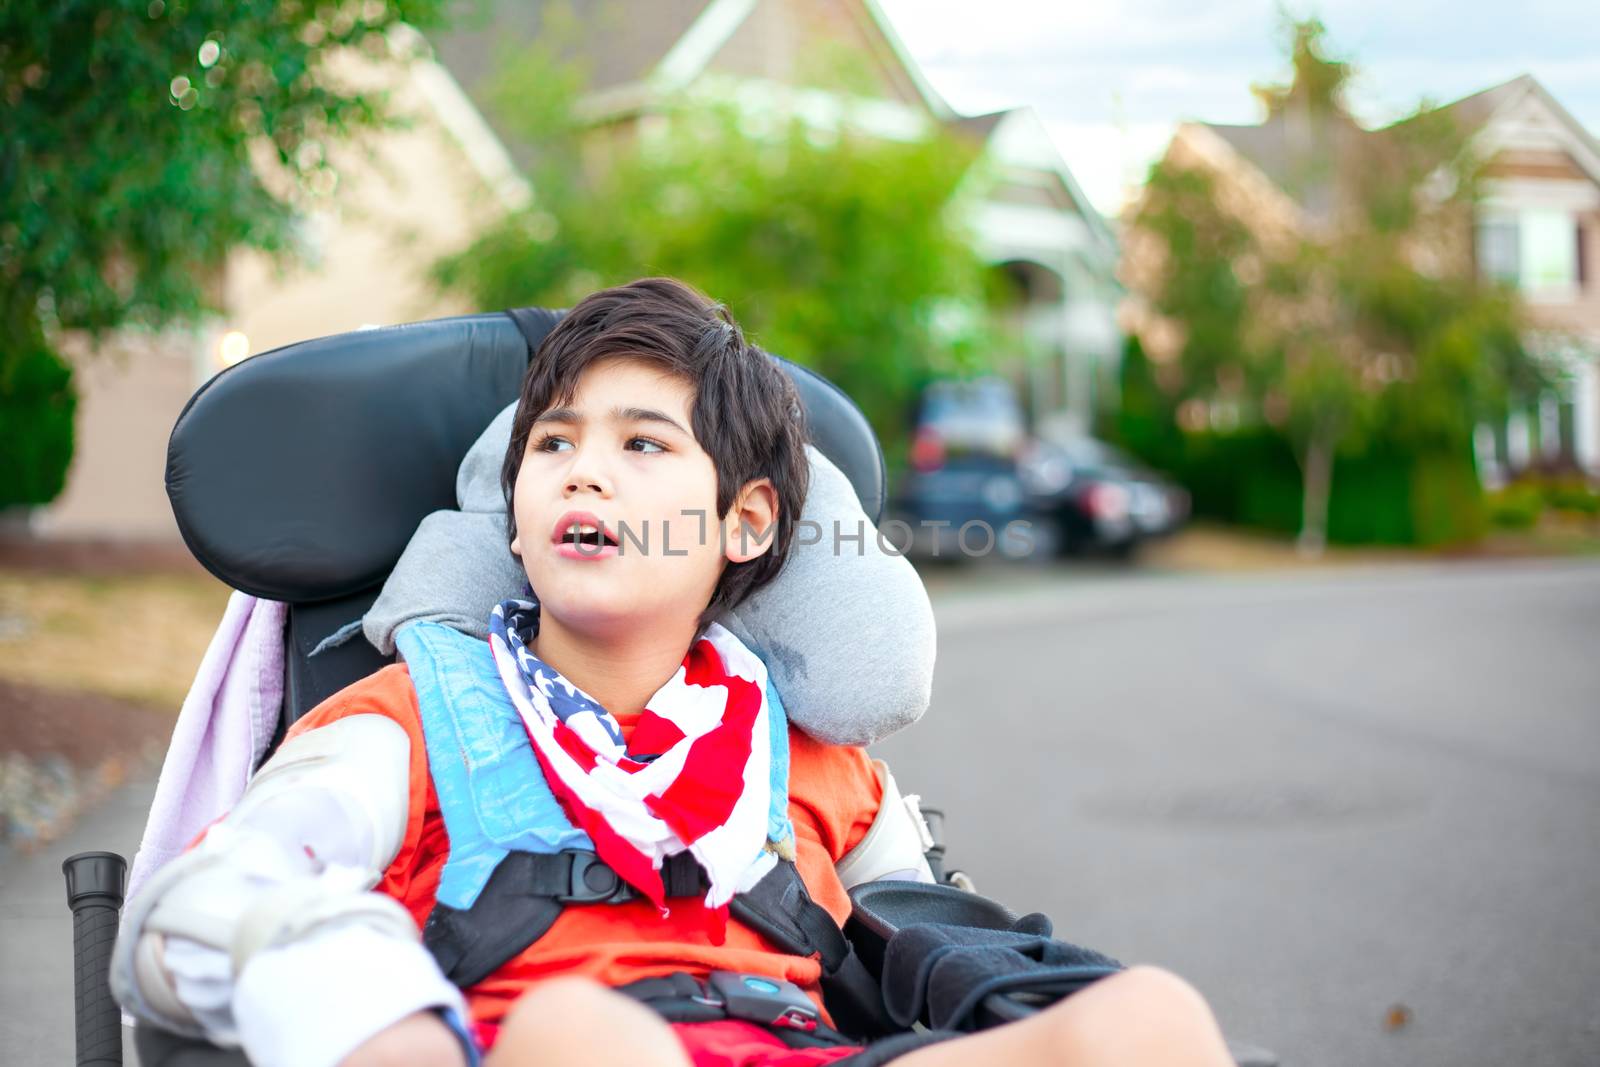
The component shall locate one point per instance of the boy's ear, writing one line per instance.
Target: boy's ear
(752, 521)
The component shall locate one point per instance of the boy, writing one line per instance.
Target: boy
(655, 469)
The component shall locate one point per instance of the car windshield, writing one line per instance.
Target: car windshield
(981, 415)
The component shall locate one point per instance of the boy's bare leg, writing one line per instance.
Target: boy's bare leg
(574, 1022)
(1142, 1017)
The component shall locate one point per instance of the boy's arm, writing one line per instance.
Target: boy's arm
(851, 823)
(895, 845)
(265, 933)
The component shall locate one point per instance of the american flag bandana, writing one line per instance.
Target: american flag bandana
(699, 774)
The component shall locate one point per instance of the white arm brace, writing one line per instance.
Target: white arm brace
(895, 843)
(290, 865)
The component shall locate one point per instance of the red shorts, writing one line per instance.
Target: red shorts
(725, 1043)
(735, 1043)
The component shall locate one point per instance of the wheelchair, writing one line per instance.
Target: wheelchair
(300, 475)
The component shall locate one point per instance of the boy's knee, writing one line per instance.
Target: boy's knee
(1156, 989)
(1140, 1011)
(562, 1002)
(555, 1022)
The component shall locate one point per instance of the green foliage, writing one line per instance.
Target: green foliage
(126, 158)
(1520, 505)
(1318, 80)
(1572, 495)
(1516, 507)
(834, 248)
(1355, 331)
(36, 407)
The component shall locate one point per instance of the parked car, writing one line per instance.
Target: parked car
(968, 437)
(1097, 498)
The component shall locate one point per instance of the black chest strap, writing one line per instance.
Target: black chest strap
(527, 891)
(523, 898)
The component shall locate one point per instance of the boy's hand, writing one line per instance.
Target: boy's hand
(419, 1040)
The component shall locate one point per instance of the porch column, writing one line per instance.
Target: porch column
(1586, 413)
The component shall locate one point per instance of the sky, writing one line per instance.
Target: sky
(1112, 78)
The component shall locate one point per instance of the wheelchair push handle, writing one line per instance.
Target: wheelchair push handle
(95, 882)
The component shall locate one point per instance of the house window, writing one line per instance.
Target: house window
(1499, 249)
(1549, 254)
(1533, 249)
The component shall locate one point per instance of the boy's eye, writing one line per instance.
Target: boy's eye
(556, 443)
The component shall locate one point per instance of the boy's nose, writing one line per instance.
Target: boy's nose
(586, 471)
(586, 476)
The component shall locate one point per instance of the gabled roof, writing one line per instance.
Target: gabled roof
(1475, 112)
(984, 129)
(663, 44)
(635, 40)
(1277, 146)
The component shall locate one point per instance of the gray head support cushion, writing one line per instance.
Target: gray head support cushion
(845, 629)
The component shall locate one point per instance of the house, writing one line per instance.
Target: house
(1033, 222)
(412, 195)
(1537, 226)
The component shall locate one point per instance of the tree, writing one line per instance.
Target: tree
(143, 140)
(836, 249)
(1351, 314)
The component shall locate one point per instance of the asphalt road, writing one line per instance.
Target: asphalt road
(1336, 803)
(1360, 810)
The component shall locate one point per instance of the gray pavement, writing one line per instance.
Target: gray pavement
(1334, 801)
(36, 932)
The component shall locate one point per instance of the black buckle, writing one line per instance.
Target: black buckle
(592, 881)
(769, 1002)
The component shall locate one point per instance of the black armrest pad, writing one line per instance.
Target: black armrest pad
(878, 910)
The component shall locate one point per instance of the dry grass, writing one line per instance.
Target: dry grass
(1222, 549)
(136, 637)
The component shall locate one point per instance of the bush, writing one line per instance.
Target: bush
(1573, 495)
(1391, 493)
(1516, 507)
(1381, 496)
(37, 403)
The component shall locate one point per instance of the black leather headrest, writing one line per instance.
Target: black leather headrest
(300, 474)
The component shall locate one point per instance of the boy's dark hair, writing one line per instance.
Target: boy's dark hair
(746, 413)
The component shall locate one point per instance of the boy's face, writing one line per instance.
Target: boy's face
(622, 456)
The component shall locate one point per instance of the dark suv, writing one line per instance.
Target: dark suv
(1096, 498)
(967, 438)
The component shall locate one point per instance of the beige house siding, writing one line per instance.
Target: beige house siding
(130, 391)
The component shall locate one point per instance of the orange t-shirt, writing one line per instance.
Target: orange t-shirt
(833, 797)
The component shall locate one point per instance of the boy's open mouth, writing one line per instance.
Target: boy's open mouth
(582, 528)
(576, 536)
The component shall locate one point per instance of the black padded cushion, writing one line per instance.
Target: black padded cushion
(300, 474)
